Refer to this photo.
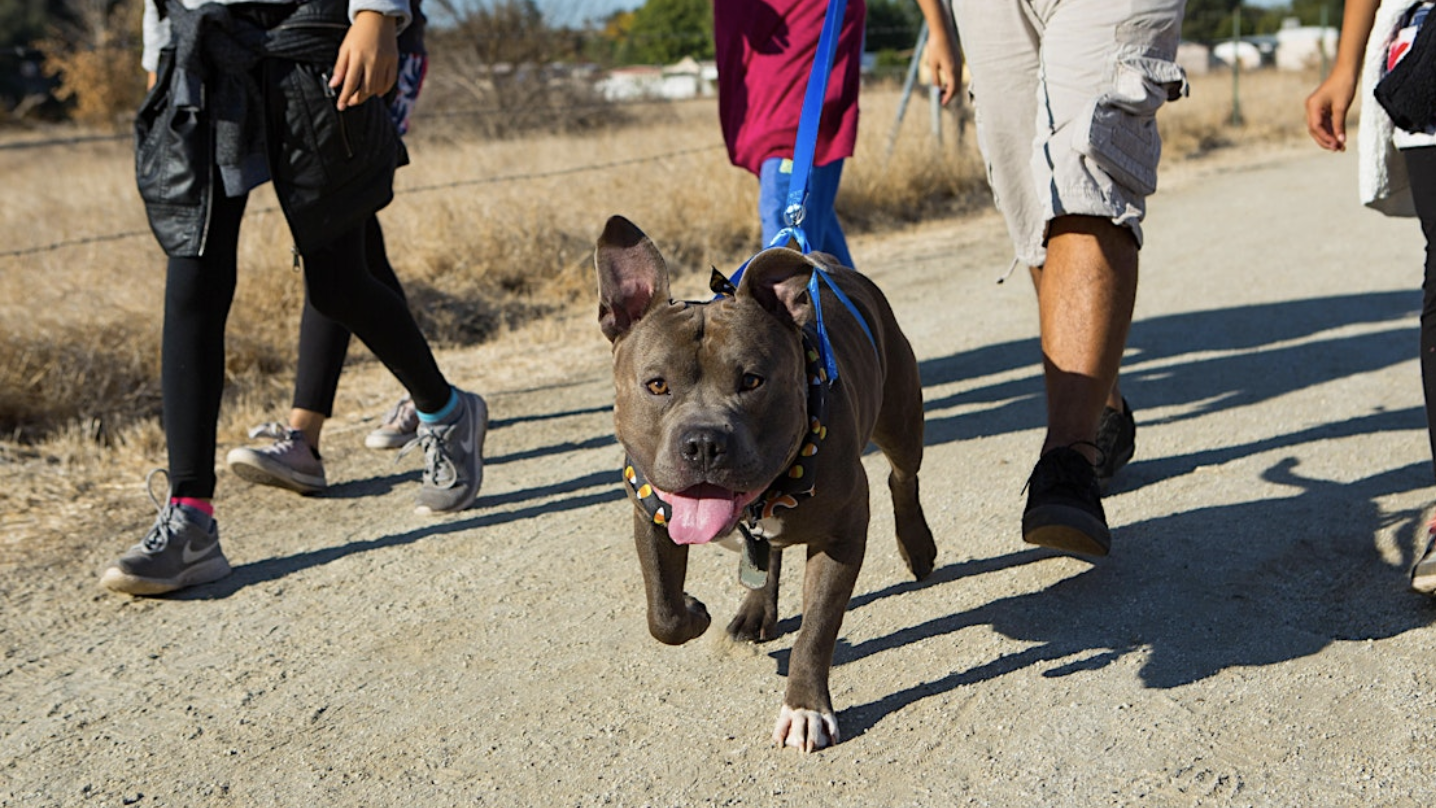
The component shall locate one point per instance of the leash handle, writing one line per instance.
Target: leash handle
(813, 97)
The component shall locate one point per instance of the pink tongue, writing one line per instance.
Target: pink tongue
(702, 513)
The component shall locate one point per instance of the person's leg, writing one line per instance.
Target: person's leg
(182, 547)
(1107, 62)
(773, 196)
(824, 231)
(1000, 43)
(1105, 68)
(820, 225)
(291, 459)
(1114, 398)
(1421, 166)
(324, 344)
(198, 293)
(340, 286)
(452, 422)
(1089, 287)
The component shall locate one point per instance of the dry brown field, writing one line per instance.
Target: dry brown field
(485, 235)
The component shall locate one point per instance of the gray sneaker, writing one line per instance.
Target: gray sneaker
(1423, 573)
(182, 549)
(453, 457)
(397, 428)
(290, 462)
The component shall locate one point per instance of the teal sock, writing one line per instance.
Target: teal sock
(436, 417)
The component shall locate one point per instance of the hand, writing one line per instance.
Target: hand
(943, 61)
(368, 63)
(150, 79)
(1326, 111)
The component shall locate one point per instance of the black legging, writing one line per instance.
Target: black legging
(324, 343)
(1421, 165)
(198, 294)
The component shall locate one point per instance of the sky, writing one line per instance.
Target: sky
(575, 12)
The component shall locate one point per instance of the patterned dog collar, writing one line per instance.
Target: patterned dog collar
(787, 491)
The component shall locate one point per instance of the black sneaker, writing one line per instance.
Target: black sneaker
(182, 549)
(1064, 505)
(1116, 442)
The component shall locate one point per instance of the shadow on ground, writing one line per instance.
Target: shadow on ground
(1196, 593)
(1254, 362)
(1192, 593)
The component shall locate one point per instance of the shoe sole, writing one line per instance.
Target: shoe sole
(1062, 527)
(385, 439)
(1424, 580)
(253, 467)
(481, 431)
(117, 580)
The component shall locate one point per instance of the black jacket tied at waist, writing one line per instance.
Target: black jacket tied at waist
(243, 95)
(1408, 92)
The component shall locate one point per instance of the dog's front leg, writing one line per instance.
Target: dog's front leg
(757, 617)
(674, 617)
(807, 721)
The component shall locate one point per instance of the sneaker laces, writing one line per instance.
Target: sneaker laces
(439, 470)
(1064, 473)
(159, 536)
(274, 430)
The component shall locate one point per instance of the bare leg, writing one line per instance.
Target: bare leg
(1086, 295)
(1114, 398)
(309, 422)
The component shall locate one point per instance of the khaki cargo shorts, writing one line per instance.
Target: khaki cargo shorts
(1066, 94)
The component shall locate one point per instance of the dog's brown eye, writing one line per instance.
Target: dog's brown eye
(752, 381)
(658, 387)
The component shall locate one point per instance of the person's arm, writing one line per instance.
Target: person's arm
(942, 55)
(1326, 107)
(368, 62)
(156, 33)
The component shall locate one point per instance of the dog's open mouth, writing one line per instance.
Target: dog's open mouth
(705, 512)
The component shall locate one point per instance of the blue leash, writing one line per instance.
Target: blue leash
(796, 210)
(817, 91)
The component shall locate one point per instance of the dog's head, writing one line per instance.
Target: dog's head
(710, 396)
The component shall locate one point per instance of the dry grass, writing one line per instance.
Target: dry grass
(1270, 102)
(485, 235)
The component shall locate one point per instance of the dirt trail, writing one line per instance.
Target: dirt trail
(1248, 642)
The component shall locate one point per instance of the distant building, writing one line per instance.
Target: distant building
(688, 78)
(1242, 53)
(1300, 47)
(1194, 57)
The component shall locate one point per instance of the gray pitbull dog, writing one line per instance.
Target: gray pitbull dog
(730, 421)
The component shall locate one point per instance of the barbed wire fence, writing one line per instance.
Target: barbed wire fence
(441, 114)
(462, 183)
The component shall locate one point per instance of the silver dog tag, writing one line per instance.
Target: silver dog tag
(753, 566)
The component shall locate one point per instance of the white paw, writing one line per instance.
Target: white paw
(805, 729)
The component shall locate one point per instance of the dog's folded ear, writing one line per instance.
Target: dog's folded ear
(778, 279)
(632, 277)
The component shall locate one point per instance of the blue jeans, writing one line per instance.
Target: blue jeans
(820, 223)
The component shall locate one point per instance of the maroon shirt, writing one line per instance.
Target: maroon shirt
(765, 51)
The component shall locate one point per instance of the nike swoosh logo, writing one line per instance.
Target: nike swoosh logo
(188, 556)
(467, 444)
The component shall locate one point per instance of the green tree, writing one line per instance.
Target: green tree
(892, 25)
(1309, 11)
(1209, 20)
(664, 31)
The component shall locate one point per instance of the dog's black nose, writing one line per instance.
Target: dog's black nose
(704, 448)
